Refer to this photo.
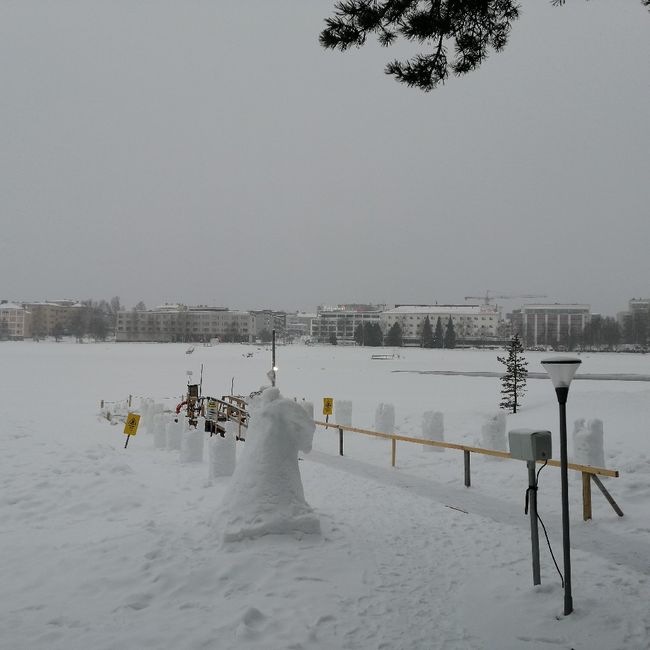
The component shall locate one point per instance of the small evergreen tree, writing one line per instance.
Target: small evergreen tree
(358, 334)
(332, 338)
(57, 332)
(373, 334)
(438, 337)
(513, 381)
(450, 335)
(426, 337)
(394, 336)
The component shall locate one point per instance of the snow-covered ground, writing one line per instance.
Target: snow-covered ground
(105, 547)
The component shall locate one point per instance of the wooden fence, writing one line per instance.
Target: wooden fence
(588, 472)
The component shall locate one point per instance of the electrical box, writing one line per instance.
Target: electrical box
(530, 444)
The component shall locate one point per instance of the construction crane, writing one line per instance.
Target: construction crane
(487, 297)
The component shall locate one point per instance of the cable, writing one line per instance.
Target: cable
(548, 541)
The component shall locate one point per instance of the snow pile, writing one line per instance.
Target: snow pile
(385, 418)
(222, 452)
(343, 412)
(588, 446)
(192, 445)
(309, 408)
(433, 428)
(265, 495)
(493, 432)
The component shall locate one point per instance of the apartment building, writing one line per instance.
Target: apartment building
(541, 325)
(179, 323)
(50, 316)
(341, 321)
(15, 321)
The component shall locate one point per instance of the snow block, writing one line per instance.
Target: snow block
(223, 452)
(433, 428)
(265, 495)
(588, 448)
(385, 418)
(343, 412)
(160, 431)
(192, 446)
(493, 432)
(174, 434)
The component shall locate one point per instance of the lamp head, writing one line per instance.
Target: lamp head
(561, 370)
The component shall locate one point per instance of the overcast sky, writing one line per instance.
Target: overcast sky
(211, 152)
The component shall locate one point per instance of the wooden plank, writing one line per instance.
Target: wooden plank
(586, 496)
(393, 452)
(607, 495)
(602, 471)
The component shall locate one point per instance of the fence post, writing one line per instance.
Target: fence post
(393, 451)
(340, 442)
(130, 396)
(586, 496)
(468, 480)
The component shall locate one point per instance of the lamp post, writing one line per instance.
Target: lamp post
(561, 371)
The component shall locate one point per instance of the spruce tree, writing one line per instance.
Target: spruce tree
(394, 337)
(450, 335)
(426, 338)
(513, 381)
(358, 334)
(438, 336)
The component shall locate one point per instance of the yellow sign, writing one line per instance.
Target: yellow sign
(328, 405)
(131, 424)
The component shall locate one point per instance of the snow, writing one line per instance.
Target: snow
(106, 548)
(433, 428)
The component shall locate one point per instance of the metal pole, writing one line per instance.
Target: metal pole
(468, 480)
(340, 442)
(534, 533)
(568, 598)
(273, 357)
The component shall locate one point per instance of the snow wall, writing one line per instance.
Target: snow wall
(223, 452)
(433, 428)
(493, 432)
(343, 412)
(588, 448)
(385, 418)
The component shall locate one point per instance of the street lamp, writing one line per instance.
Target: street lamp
(561, 371)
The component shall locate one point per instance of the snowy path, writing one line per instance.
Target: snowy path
(617, 548)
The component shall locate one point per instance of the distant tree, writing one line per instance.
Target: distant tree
(265, 335)
(438, 336)
(513, 381)
(58, 332)
(78, 323)
(372, 334)
(332, 338)
(450, 335)
(358, 334)
(141, 306)
(97, 325)
(394, 337)
(468, 29)
(4, 330)
(611, 332)
(426, 336)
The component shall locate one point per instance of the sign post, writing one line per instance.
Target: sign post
(328, 407)
(131, 427)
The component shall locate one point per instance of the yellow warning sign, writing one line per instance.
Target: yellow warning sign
(328, 405)
(131, 424)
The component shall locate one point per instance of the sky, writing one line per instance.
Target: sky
(211, 152)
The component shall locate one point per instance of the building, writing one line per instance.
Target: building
(299, 325)
(51, 317)
(550, 325)
(342, 320)
(179, 323)
(15, 321)
(267, 320)
(472, 323)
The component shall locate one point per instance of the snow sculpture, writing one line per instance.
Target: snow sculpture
(385, 418)
(494, 432)
(265, 495)
(433, 428)
(309, 408)
(343, 412)
(192, 445)
(174, 433)
(160, 431)
(223, 452)
(588, 446)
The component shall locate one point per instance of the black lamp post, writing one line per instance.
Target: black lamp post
(561, 371)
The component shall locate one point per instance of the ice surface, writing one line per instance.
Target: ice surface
(265, 495)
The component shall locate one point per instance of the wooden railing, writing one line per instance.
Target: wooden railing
(588, 472)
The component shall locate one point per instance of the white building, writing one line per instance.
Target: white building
(341, 321)
(473, 322)
(549, 325)
(15, 321)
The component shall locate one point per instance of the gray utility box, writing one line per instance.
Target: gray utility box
(529, 444)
